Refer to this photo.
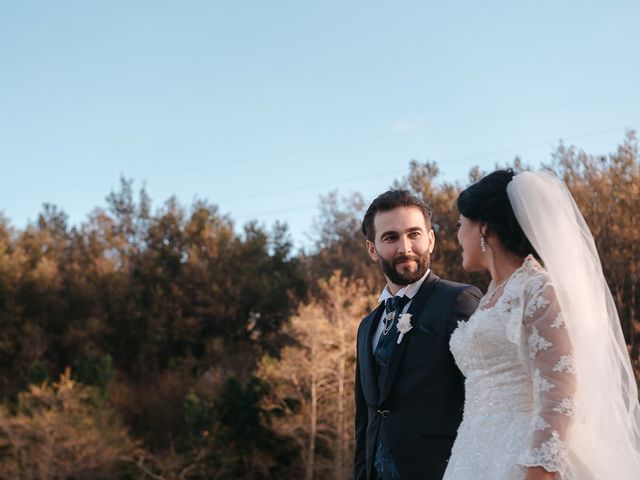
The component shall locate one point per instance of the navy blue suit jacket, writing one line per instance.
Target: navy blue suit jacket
(421, 401)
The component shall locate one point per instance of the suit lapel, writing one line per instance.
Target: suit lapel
(415, 309)
(368, 376)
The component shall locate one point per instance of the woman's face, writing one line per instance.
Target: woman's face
(473, 259)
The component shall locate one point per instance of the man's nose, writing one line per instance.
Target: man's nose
(404, 245)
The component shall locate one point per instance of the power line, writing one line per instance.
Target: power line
(397, 172)
(308, 186)
(443, 162)
(539, 144)
(275, 212)
(459, 159)
(386, 134)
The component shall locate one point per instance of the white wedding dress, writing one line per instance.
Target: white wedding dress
(548, 377)
(520, 380)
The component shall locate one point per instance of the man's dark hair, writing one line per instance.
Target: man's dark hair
(389, 201)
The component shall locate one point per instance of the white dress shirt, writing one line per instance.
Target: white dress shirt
(408, 291)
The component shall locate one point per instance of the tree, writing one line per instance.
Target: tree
(607, 190)
(312, 380)
(62, 431)
(442, 197)
(339, 242)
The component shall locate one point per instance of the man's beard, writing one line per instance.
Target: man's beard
(408, 277)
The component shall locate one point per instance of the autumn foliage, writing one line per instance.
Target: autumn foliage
(167, 343)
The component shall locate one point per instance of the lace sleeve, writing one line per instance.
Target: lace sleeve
(550, 362)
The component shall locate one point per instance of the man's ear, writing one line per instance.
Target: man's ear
(432, 240)
(371, 250)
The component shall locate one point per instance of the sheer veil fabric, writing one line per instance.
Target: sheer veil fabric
(604, 440)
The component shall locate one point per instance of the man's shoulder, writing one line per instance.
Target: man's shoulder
(450, 284)
(370, 314)
(457, 288)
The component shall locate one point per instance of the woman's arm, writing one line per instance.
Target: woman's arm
(550, 362)
(539, 473)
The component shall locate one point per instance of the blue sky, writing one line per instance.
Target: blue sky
(261, 107)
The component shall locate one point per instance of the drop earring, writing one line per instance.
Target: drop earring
(483, 244)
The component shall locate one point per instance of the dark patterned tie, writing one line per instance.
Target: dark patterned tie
(383, 460)
(392, 308)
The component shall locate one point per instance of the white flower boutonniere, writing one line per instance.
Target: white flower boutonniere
(404, 325)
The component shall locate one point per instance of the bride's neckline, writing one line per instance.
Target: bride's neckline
(495, 292)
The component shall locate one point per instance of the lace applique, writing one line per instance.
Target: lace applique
(559, 321)
(565, 365)
(534, 284)
(541, 384)
(537, 342)
(535, 304)
(539, 424)
(566, 407)
(515, 354)
(550, 455)
(514, 317)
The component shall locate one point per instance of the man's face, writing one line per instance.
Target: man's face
(402, 245)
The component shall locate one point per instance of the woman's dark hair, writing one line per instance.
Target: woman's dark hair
(487, 202)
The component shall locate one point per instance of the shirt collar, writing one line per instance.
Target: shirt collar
(408, 290)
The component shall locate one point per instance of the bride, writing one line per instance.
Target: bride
(550, 393)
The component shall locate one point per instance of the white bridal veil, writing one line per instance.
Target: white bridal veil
(605, 437)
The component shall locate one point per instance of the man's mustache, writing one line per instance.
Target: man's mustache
(405, 258)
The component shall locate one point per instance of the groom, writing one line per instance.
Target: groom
(409, 392)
